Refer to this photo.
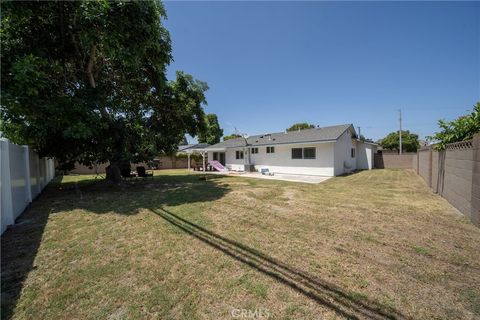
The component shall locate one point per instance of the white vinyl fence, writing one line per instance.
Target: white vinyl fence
(23, 175)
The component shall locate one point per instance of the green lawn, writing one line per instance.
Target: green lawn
(372, 245)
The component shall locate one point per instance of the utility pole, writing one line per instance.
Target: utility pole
(400, 131)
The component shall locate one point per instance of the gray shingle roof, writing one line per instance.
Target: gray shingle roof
(308, 135)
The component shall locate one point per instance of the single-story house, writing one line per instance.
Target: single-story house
(326, 151)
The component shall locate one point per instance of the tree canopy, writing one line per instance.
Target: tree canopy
(460, 129)
(300, 126)
(362, 138)
(213, 132)
(86, 81)
(409, 141)
(231, 136)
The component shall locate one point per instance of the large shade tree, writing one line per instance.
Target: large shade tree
(213, 132)
(84, 81)
(300, 126)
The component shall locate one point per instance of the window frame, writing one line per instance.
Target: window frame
(270, 149)
(352, 152)
(239, 155)
(300, 154)
(314, 153)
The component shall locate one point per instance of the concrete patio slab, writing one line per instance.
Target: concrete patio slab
(277, 176)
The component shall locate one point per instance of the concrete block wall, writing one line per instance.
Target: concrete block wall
(395, 161)
(166, 162)
(436, 158)
(424, 166)
(475, 203)
(453, 173)
(458, 179)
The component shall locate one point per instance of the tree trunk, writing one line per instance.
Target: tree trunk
(113, 173)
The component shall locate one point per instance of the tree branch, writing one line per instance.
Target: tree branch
(91, 62)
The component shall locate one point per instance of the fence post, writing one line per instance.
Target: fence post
(28, 182)
(418, 161)
(430, 160)
(6, 204)
(475, 200)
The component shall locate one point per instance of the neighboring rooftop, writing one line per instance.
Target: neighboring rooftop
(185, 147)
(330, 133)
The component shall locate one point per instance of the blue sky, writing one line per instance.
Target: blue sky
(271, 64)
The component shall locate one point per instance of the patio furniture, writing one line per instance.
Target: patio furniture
(126, 173)
(266, 172)
(142, 173)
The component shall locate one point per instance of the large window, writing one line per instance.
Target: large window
(352, 152)
(270, 149)
(238, 154)
(308, 153)
(253, 150)
(296, 153)
(303, 153)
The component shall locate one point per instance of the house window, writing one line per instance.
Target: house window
(308, 153)
(270, 149)
(303, 153)
(352, 152)
(253, 150)
(215, 156)
(296, 153)
(238, 154)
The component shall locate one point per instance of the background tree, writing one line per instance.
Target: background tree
(300, 126)
(231, 136)
(362, 138)
(461, 129)
(213, 132)
(85, 81)
(409, 141)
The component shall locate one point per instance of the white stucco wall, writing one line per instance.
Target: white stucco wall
(281, 161)
(365, 155)
(343, 160)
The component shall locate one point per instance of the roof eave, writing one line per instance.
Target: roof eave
(282, 143)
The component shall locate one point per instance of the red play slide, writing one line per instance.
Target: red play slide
(217, 166)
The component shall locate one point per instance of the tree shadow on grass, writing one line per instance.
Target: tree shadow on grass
(19, 246)
(171, 190)
(20, 243)
(345, 304)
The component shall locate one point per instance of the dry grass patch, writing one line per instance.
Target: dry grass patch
(373, 245)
